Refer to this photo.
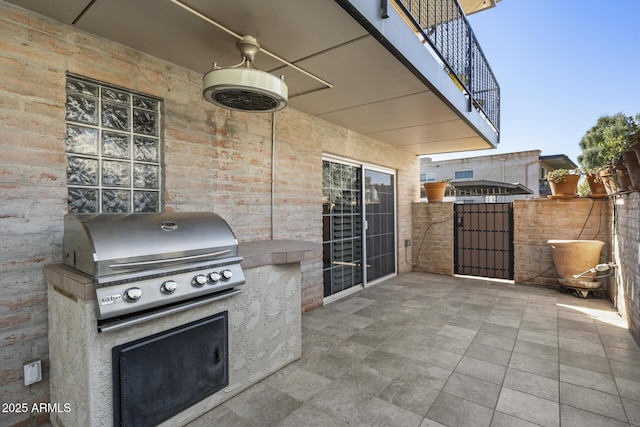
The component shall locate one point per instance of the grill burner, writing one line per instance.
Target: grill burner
(147, 266)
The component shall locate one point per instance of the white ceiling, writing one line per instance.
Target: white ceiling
(373, 92)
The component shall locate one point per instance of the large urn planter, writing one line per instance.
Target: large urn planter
(574, 257)
(564, 187)
(435, 191)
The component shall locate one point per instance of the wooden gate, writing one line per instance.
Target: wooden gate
(483, 240)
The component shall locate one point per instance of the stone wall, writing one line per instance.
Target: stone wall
(433, 237)
(614, 221)
(540, 220)
(214, 160)
(626, 244)
(535, 222)
(301, 140)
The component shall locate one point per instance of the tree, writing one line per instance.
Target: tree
(603, 144)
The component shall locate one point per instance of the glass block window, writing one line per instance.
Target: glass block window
(113, 148)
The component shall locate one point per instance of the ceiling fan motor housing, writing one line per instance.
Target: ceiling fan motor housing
(244, 87)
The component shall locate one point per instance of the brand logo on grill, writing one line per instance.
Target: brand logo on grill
(169, 226)
(110, 299)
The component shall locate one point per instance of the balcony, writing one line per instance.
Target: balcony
(413, 77)
(442, 25)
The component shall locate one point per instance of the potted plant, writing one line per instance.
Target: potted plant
(622, 175)
(634, 143)
(605, 143)
(563, 182)
(608, 176)
(630, 160)
(595, 182)
(435, 190)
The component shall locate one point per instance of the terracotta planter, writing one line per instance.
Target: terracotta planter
(596, 185)
(435, 191)
(573, 257)
(565, 188)
(609, 182)
(636, 146)
(633, 168)
(623, 179)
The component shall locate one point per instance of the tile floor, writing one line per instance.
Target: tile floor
(423, 350)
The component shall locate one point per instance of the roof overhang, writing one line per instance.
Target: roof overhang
(483, 187)
(558, 161)
(384, 82)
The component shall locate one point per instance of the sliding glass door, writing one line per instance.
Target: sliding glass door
(358, 206)
(341, 226)
(380, 224)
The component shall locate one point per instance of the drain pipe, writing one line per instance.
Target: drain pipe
(273, 172)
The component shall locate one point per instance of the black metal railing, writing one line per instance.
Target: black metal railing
(443, 25)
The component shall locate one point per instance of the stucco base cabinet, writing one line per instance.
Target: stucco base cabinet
(264, 336)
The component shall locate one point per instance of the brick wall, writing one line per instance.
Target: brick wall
(537, 221)
(300, 142)
(432, 245)
(626, 241)
(616, 222)
(214, 160)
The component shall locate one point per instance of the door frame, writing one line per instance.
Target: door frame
(363, 168)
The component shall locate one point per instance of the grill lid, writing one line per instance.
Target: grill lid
(114, 245)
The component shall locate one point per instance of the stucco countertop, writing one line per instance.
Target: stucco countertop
(264, 252)
(269, 252)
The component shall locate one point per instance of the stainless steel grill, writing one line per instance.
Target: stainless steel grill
(146, 266)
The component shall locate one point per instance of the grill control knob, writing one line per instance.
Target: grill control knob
(199, 281)
(132, 294)
(214, 277)
(169, 287)
(226, 274)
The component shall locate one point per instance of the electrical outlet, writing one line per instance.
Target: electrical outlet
(32, 372)
(407, 243)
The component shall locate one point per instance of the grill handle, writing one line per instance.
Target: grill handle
(167, 261)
